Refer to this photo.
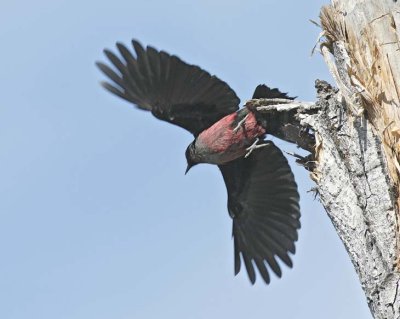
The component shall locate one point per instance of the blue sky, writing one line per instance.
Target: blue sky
(97, 219)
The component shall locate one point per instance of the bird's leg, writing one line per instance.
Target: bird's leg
(253, 147)
(241, 122)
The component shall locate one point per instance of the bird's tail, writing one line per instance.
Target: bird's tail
(264, 92)
(271, 122)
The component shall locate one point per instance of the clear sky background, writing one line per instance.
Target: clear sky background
(97, 219)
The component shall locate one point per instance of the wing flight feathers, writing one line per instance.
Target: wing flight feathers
(174, 91)
(264, 204)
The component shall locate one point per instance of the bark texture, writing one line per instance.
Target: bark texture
(353, 134)
(354, 186)
(348, 164)
(357, 169)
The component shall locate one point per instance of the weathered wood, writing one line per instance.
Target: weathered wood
(353, 135)
(350, 169)
(357, 170)
(352, 178)
(362, 49)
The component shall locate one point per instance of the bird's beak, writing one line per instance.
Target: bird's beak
(188, 168)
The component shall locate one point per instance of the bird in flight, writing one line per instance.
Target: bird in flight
(263, 201)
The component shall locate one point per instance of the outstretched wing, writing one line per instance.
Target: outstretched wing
(174, 91)
(264, 204)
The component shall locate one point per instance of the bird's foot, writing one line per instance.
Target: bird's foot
(308, 162)
(239, 125)
(253, 147)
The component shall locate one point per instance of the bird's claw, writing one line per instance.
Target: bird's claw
(241, 122)
(308, 162)
(253, 147)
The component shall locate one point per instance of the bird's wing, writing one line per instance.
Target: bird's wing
(264, 204)
(263, 91)
(174, 91)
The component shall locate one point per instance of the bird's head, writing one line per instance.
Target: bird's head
(190, 156)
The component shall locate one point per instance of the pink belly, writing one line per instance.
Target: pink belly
(220, 144)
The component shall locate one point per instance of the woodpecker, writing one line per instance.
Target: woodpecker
(263, 200)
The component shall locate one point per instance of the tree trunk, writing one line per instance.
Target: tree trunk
(357, 169)
(353, 134)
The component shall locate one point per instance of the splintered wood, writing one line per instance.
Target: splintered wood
(365, 45)
(360, 44)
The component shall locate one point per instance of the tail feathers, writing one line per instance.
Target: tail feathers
(271, 122)
(264, 92)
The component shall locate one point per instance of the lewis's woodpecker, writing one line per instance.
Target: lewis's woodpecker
(263, 201)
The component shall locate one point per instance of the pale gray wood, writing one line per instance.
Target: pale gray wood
(353, 136)
(349, 168)
(357, 169)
